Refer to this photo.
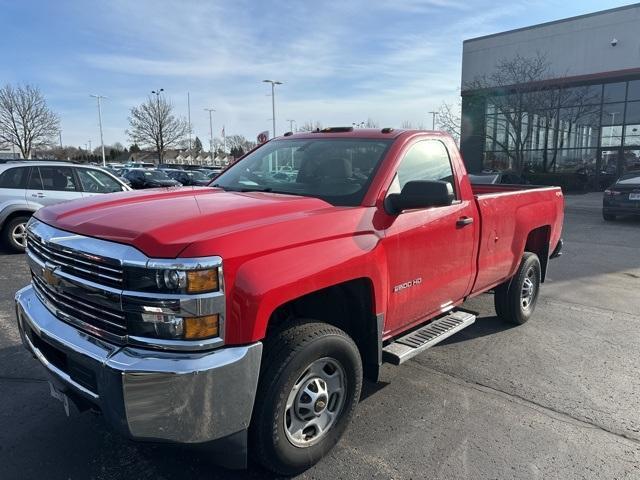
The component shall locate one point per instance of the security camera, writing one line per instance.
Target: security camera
(614, 42)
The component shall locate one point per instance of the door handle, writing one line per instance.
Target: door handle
(464, 221)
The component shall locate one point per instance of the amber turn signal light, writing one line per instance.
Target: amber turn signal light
(200, 281)
(197, 328)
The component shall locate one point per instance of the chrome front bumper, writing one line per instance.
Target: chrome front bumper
(146, 395)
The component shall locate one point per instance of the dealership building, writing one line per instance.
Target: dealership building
(579, 120)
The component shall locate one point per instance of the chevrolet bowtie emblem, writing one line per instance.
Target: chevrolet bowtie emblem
(49, 276)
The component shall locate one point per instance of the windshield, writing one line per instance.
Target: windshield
(338, 171)
(195, 175)
(156, 175)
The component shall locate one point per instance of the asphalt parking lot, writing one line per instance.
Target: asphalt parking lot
(556, 398)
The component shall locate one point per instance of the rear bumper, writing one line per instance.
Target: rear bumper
(145, 394)
(621, 210)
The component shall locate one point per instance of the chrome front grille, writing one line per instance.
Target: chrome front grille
(81, 309)
(98, 269)
(83, 282)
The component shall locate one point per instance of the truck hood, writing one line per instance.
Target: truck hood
(163, 222)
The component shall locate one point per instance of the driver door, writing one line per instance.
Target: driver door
(430, 253)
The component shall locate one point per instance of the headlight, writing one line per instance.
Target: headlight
(173, 327)
(172, 280)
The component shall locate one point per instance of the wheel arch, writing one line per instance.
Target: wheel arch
(350, 306)
(538, 242)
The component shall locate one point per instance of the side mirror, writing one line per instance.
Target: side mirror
(420, 194)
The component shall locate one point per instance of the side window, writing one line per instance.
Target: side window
(35, 182)
(14, 178)
(57, 178)
(95, 181)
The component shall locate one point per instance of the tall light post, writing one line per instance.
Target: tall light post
(433, 120)
(189, 118)
(98, 98)
(157, 93)
(90, 150)
(273, 102)
(211, 110)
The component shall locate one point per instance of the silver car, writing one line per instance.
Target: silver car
(29, 185)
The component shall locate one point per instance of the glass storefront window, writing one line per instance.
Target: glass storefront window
(585, 95)
(632, 135)
(634, 90)
(615, 92)
(633, 113)
(612, 114)
(631, 160)
(611, 136)
(490, 131)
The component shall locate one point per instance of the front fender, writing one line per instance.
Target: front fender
(262, 284)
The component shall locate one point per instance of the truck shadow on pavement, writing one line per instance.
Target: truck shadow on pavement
(482, 327)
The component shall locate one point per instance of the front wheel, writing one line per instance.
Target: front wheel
(515, 300)
(608, 217)
(308, 390)
(14, 233)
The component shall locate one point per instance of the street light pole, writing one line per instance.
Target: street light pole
(433, 120)
(273, 102)
(211, 110)
(157, 93)
(189, 117)
(98, 98)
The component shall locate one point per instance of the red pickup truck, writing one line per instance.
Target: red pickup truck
(248, 311)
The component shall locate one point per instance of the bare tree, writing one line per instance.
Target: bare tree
(153, 124)
(371, 123)
(449, 119)
(25, 119)
(522, 97)
(309, 126)
(238, 144)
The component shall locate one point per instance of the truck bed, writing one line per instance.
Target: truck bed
(514, 218)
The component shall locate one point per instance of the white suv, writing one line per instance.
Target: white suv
(29, 185)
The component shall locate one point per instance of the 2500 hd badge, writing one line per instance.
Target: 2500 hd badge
(409, 284)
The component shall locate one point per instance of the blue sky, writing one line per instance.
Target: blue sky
(341, 61)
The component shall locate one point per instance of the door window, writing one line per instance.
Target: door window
(95, 181)
(57, 178)
(426, 160)
(35, 182)
(14, 178)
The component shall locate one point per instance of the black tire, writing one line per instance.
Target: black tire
(510, 302)
(10, 230)
(609, 217)
(290, 353)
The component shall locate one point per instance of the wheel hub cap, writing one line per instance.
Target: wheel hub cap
(19, 234)
(315, 402)
(528, 290)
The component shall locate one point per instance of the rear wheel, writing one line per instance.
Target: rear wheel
(515, 300)
(308, 390)
(609, 217)
(14, 233)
